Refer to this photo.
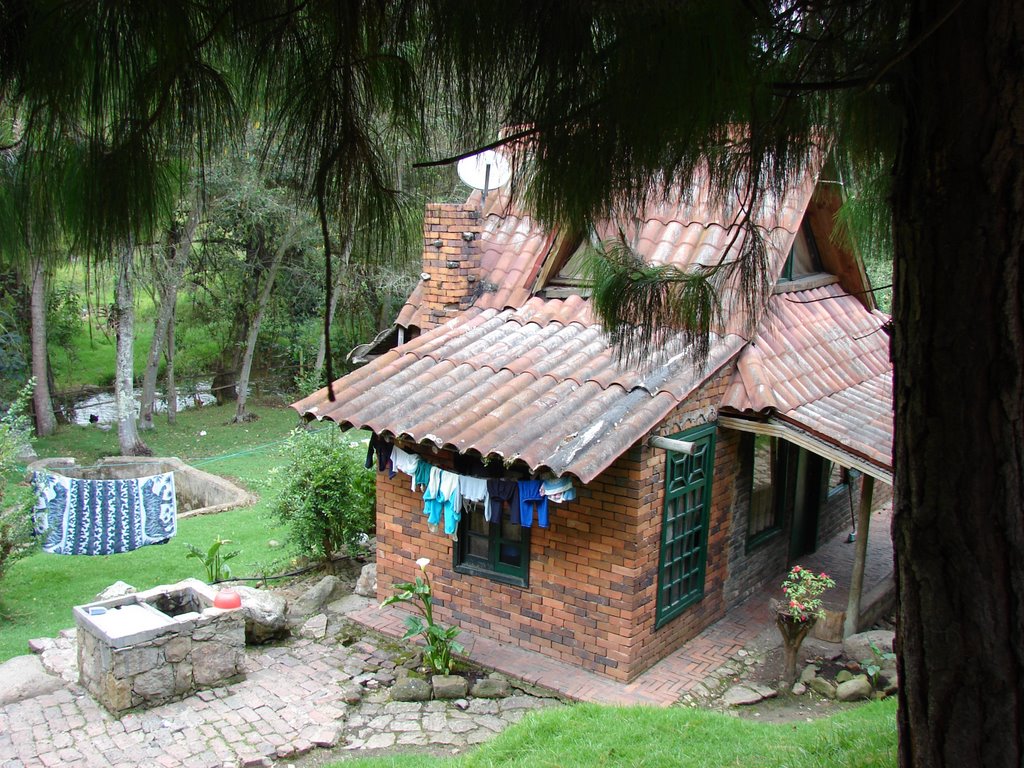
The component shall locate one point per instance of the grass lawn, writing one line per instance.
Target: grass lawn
(589, 736)
(38, 592)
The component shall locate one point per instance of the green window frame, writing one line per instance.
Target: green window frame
(499, 551)
(684, 527)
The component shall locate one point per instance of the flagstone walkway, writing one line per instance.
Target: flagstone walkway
(293, 699)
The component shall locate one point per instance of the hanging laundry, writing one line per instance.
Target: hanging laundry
(499, 493)
(380, 448)
(473, 488)
(558, 490)
(530, 499)
(403, 461)
(433, 502)
(451, 501)
(75, 516)
(421, 476)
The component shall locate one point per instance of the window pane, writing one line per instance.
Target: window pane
(499, 550)
(478, 547)
(837, 477)
(762, 490)
(510, 553)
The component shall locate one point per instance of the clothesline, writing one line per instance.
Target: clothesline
(445, 492)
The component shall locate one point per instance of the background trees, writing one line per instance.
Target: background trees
(611, 103)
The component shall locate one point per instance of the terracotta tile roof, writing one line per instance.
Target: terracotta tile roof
(821, 362)
(518, 377)
(539, 384)
(681, 231)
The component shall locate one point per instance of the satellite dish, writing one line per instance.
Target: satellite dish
(485, 171)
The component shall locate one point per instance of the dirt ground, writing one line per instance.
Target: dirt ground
(763, 664)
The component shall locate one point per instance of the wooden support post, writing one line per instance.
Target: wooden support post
(867, 489)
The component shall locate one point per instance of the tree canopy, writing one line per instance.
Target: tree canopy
(602, 104)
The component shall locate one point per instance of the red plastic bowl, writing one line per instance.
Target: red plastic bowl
(227, 598)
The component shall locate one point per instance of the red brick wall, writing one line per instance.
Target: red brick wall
(451, 257)
(651, 645)
(593, 573)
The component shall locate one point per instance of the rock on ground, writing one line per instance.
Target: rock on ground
(315, 628)
(366, 584)
(822, 686)
(411, 689)
(491, 688)
(265, 615)
(747, 693)
(315, 598)
(449, 686)
(858, 647)
(348, 604)
(24, 677)
(854, 690)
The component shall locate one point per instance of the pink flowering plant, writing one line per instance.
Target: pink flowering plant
(802, 591)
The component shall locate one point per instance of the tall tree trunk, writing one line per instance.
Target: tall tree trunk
(169, 277)
(42, 405)
(958, 349)
(124, 394)
(241, 415)
(339, 284)
(172, 390)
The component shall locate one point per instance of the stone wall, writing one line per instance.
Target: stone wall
(200, 650)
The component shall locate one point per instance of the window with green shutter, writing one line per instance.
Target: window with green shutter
(684, 531)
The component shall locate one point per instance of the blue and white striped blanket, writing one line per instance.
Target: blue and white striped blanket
(103, 517)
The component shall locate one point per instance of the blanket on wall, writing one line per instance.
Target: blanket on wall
(103, 517)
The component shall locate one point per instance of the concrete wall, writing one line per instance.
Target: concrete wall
(197, 492)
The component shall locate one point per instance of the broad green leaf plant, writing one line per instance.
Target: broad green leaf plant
(215, 559)
(440, 640)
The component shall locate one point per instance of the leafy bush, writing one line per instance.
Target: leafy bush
(15, 508)
(328, 497)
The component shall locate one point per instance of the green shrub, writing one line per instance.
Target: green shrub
(15, 503)
(328, 497)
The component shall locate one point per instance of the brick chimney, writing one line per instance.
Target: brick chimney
(451, 261)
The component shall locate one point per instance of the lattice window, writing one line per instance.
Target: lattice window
(684, 535)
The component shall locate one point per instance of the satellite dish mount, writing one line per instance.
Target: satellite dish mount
(485, 171)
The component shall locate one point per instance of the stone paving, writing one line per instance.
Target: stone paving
(293, 699)
(310, 694)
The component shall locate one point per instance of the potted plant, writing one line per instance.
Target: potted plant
(796, 613)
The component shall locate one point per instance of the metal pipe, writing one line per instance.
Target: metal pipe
(676, 446)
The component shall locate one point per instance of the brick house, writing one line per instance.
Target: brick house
(495, 367)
